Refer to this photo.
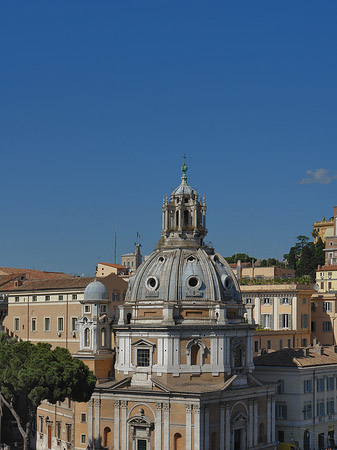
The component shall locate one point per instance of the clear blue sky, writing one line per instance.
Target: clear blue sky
(100, 100)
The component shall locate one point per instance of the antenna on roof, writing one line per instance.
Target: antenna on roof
(115, 250)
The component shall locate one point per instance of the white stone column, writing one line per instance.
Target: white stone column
(275, 313)
(160, 352)
(273, 419)
(214, 350)
(124, 425)
(257, 310)
(222, 427)
(90, 420)
(157, 430)
(202, 434)
(207, 428)
(294, 313)
(188, 426)
(176, 352)
(228, 428)
(97, 403)
(196, 410)
(256, 421)
(268, 419)
(166, 426)
(250, 423)
(116, 425)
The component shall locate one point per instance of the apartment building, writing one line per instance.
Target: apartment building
(281, 313)
(306, 399)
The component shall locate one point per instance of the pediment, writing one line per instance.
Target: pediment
(143, 342)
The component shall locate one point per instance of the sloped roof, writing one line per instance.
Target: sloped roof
(303, 357)
(61, 283)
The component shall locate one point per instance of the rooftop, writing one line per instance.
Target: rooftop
(60, 283)
(302, 357)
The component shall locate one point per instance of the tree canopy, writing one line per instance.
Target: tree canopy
(305, 256)
(32, 373)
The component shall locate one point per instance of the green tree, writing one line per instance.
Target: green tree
(32, 373)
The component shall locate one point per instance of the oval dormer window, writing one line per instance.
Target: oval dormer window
(193, 282)
(152, 283)
(226, 281)
(161, 259)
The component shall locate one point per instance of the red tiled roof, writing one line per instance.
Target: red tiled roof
(291, 357)
(57, 283)
(117, 266)
(327, 268)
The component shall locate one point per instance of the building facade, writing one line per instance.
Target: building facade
(181, 373)
(306, 399)
(281, 313)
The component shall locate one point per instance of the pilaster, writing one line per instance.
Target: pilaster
(188, 408)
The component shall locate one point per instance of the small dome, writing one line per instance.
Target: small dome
(96, 291)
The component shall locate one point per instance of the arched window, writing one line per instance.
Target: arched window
(186, 217)
(107, 437)
(306, 440)
(87, 337)
(195, 355)
(103, 337)
(178, 442)
(128, 318)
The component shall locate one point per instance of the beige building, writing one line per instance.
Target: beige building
(133, 260)
(181, 373)
(261, 273)
(281, 313)
(48, 310)
(104, 269)
(306, 399)
(324, 229)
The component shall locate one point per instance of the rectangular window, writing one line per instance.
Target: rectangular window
(68, 427)
(47, 324)
(327, 306)
(83, 438)
(313, 326)
(304, 342)
(307, 386)
(327, 326)
(313, 307)
(304, 320)
(280, 388)
(74, 296)
(281, 344)
(268, 345)
(34, 298)
(329, 285)
(248, 301)
(329, 275)
(47, 298)
(33, 324)
(266, 301)
(289, 343)
(304, 301)
(83, 417)
(16, 324)
(143, 357)
(87, 308)
(322, 286)
(256, 346)
(73, 323)
(16, 299)
(281, 411)
(266, 320)
(41, 424)
(320, 409)
(285, 320)
(103, 308)
(60, 297)
(60, 324)
(320, 384)
(330, 383)
(307, 411)
(58, 430)
(330, 409)
(284, 301)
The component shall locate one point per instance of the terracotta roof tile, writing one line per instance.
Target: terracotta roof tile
(290, 357)
(58, 283)
(117, 266)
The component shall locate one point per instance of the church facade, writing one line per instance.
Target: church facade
(179, 373)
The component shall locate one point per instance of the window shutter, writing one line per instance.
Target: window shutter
(280, 321)
(290, 323)
(289, 301)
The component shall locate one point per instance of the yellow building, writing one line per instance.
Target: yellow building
(281, 313)
(323, 229)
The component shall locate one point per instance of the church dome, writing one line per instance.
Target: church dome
(96, 291)
(183, 267)
(181, 274)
